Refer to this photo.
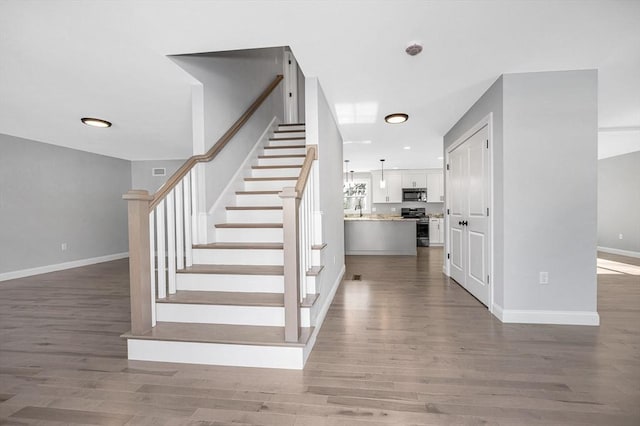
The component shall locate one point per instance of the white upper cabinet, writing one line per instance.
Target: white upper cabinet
(435, 187)
(392, 192)
(414, 179)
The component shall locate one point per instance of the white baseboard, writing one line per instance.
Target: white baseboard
(619, 251)
(60, 266)
(322, 313)
(546, 317)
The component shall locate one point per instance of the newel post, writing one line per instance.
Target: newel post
(139, 260)
(290, 227)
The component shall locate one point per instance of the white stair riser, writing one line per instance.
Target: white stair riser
(227, 314)
(288, 134)
(254, 216)
(267, 185)
(286, 142)
(216, 354)
(285, 151)
(231, 282)
(312, 288)
(287, 161)
(316, 257)
(258, 200)
(300, 127)
(286, 172)
(237, 257)
(249, 235)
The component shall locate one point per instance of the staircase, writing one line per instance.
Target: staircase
(223, 303)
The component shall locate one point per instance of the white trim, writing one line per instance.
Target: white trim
(546, 317)
(497, 311)
(322, 313)
(61, 266)
(619, 251)
(215, 354)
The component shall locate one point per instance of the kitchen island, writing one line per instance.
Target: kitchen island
(380, 235)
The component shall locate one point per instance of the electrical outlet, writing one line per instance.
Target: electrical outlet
(544, 278)
(393, 209)
(619, 236)
(63, 246)
(373, 209)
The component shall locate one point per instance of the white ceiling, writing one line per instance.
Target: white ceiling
(62, 60)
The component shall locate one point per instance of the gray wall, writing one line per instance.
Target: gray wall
(545, 162)
(619, 202)
(142, 177)
(490, 102)
(231, 82)
(51, 195)
(330, 197)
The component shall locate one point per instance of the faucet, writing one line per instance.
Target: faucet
(359, 206)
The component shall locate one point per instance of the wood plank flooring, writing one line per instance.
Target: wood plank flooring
(401, 346)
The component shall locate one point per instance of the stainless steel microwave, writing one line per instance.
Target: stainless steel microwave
(414, 194)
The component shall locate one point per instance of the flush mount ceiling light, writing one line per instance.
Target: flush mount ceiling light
(396, 118)
(95, 122)
(413, 48)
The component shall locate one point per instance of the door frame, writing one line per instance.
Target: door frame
(485, 121)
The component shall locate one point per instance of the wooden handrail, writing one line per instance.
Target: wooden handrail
(312, 155)
(215, 149)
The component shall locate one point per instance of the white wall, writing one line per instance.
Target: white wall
(619, 203)
(51, 195)
(545, 162)
(142, 177)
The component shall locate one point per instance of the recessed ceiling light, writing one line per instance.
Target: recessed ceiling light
(396, 118)
(440, 158)
(95, 122)
(395, 168)
(407, 147)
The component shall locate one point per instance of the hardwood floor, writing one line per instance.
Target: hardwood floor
(402, 346)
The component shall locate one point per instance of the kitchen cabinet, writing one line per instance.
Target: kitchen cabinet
(391, 193)
(435, 187)
(414, 179)
(436, 231)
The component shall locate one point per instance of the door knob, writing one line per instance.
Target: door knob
(465, 223)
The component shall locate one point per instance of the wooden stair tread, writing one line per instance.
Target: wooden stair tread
(240, 246)
(225, 298)
(254, 207)
(314, 271)
(257, 192)
(288, 139)
(267, 179)
(221, 333)
(283, 156)
(234, 269)
(309, 301)
(248, 225)
(284, 166)
(291, 124)
(285, 146)
(288, 131)
(318, 246)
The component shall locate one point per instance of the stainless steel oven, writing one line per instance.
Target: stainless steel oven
(422, 224)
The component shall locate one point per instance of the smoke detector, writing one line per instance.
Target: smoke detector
(413, 48)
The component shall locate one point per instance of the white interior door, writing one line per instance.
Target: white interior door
(468, 217)
(291, 88)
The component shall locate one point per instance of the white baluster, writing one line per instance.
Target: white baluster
(160, 239)
(179, 227)
(194, 203)
(187, 219)
(171, 241)
(152, 254)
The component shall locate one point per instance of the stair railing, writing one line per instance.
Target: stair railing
(162, 227)
(298, 207)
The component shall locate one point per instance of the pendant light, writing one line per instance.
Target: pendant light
(346, 172)
(383, 184)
